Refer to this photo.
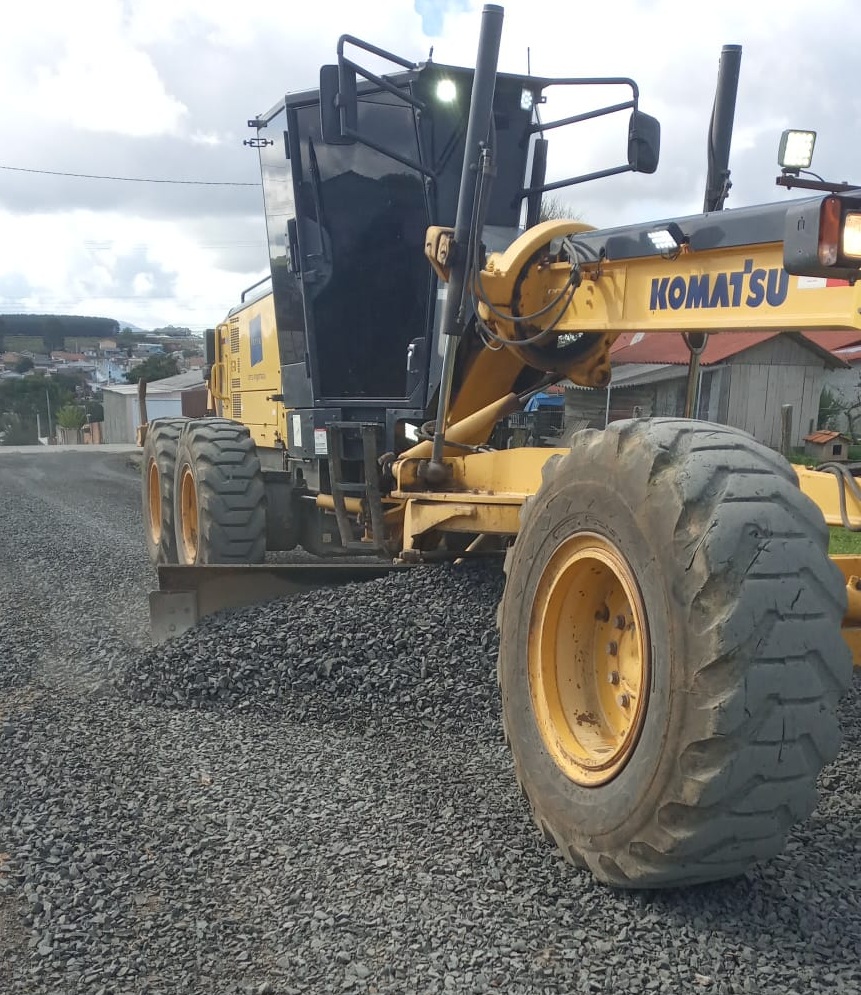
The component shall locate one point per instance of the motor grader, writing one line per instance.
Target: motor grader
(674, 638)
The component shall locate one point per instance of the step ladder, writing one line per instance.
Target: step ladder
(370, 436)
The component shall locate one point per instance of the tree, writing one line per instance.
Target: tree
(15, 432)
(154, 368)
(837, 410)
(24, 365)
(556, 209)
(831, 409)
(27, 398)
(73, 382)
(71, 416)
(95, 411)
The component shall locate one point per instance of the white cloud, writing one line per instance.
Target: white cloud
(116, 90)
(83, 68)
(163, 88)
(148, 272)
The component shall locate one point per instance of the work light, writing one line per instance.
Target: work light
(796, 149)
(668, 238)
(446, 91)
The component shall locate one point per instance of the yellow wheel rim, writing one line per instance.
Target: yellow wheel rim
(188, 511)
(589, 662)
(154, 501)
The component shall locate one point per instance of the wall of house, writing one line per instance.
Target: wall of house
(763, 379)
(669, 397)
(590, 406)
(122, 415)
(118, 416)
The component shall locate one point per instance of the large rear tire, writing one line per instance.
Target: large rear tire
(158, 469)
(670, 652)
(219, 495)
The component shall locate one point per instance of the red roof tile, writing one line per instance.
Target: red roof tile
(820, 438)
(835, 340)
(669, 347)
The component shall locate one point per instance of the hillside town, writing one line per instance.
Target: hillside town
(105, 360)
(61, 387)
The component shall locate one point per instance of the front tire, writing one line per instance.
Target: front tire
(219, 495)
(670, 652)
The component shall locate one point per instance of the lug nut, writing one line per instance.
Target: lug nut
(620, 622)
(613, 677)
(612, 648)
(624, 700)
(603, 614)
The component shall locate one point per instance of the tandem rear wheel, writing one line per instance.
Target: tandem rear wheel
(203, 493)
(219, 495)
(157, 478)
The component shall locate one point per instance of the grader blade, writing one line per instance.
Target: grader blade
(187, 594)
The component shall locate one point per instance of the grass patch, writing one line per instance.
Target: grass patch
(843, 541)
(24, 343)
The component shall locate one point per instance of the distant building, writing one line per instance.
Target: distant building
(744, 380)
(68, 357)
(827, 447)
(184, 394)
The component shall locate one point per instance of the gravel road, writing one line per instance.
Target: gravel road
(313, 797)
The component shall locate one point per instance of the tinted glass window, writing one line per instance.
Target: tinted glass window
(443, 131)
(367, 281)
(280, 209)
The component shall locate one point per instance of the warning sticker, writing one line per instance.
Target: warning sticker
(816, 282)
(811, 282)
(321, 444)
(296, 423)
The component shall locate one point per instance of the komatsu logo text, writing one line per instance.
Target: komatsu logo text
(746, 287)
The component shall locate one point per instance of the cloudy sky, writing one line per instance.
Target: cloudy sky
(162, 89)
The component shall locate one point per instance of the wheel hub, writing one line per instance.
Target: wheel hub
(188, 530)
(154, 502)
(589, 662)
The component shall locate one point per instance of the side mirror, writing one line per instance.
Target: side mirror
(209, 347)
(335, 109)
(644, 142)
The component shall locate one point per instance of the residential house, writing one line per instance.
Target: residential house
(184, 394)
(744, 379)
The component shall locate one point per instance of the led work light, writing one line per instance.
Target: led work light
(796, 149)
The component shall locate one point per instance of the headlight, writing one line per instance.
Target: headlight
(446, 91)
(852, 234)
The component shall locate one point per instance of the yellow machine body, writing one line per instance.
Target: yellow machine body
(670, 651)
(246, 373)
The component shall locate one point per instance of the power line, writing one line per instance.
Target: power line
(130, 179)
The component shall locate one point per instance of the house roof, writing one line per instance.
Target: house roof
(634, 375)
(664, 347)
(835, 340)
(820, 438)
(182, 381)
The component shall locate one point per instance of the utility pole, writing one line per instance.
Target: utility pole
(48, 399)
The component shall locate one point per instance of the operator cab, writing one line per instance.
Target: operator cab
(353, 175)
(347, 221)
